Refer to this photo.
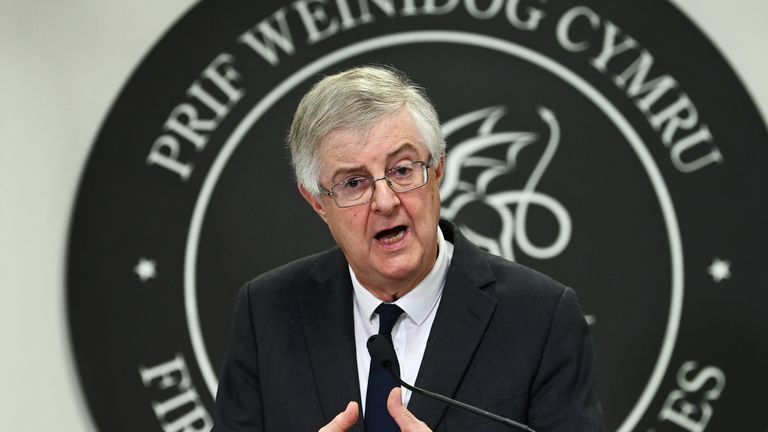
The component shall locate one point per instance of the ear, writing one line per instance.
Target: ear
(440, 170)
(313, 201)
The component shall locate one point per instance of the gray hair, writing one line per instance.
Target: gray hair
(356, 99)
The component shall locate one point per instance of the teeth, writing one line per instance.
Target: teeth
(393, 238)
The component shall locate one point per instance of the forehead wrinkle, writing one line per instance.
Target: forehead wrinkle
(360, 137)
(331, 152)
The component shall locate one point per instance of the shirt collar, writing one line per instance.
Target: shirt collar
(418, 303)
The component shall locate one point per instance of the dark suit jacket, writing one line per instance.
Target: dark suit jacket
(505, 338)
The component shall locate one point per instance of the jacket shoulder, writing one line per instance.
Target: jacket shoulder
(496, 275)
(293, 277)
(511, 275)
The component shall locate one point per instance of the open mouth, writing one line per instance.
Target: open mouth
(392, 235)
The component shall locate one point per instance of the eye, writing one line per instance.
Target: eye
(354, 183)
(401, 172)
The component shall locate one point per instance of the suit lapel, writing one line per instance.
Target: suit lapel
(462, 317)
(326, 312)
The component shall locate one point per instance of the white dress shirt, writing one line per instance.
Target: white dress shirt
(411, 330)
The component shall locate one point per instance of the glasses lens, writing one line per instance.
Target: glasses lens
(351, 191)
(358, 190)
(407, 177)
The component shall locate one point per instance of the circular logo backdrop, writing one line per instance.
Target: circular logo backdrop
(607, 145)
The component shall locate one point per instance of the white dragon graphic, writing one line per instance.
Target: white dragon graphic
(510, 205)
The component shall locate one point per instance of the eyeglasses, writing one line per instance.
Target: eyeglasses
(357, 190)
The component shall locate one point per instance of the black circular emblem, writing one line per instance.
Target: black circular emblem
(605, 143)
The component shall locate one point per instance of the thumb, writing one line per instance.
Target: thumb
(404, 418)
(344, 420)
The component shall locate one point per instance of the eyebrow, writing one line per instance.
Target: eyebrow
(407, 146)
(344, 171)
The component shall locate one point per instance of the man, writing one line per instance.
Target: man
(369, 156)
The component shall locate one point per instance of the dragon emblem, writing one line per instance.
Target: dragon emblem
(476, 167)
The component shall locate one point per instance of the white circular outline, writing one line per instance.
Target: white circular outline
(461, 38)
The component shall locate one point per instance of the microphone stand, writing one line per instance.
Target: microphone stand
(456, 403)
(382, 351)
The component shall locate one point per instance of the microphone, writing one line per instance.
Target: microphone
(382, 352)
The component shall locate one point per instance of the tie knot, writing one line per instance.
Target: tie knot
(388, 314)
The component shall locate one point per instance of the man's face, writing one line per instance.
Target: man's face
(391, 241)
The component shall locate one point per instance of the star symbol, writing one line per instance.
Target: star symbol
(719, 269)
(146, 269)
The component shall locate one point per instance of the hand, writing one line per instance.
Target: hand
(345, 420)
(404, 419)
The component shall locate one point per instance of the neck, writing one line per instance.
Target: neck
(388, 290)
(388, 295)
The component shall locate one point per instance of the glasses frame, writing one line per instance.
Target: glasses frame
(425, 171)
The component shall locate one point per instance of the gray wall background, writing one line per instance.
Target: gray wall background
(62, 65)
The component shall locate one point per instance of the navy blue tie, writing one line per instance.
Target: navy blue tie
(380, 381)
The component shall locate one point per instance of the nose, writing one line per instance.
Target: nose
(384, 199)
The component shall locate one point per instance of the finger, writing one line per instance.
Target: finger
(344, 420)
(404, 418)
